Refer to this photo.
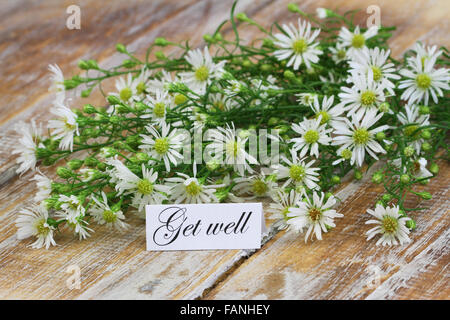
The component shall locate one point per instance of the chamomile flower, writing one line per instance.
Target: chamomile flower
(418, 168)
(279, 208)
(423, 80)
(297, 45)
(312, 134)
(357, 137)
(257, 185)
(44, 185)
(339, 53)
(160, 105)
(140, 85)
(425, 52)
(220, 102)
(73, 212)
(234, 87)
(65, 127)
(33, 222)
(163, 145)
(365, 94)
(126, 89)
(227, 144)
(325, 109)
(306, 99)
(146, 190)
(57, 82)
(414, 120)
(355, 41)
(27, 145)
(375, 60)
(314, 215)
(297, 171)
(390, 224)
(186, 189)
(204, 70)
(104, 214)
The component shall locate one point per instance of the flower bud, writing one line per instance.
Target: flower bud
(267, 43)
(101, 166)
(90, 162)
(180, 99)
(380, 136)
(358, 174)
(75, 164)
(434, 168)
(289, 75)
(42, 153)
(241, 16)
(411, 224)
(408, 151)
(426, 146)
(273, 121)
(121, 48)
(424, 110)
(82, 64)
(160, 55)
(386, 197)
(127, 63)
(426, 134)
(64, 172)
(405, 178)
(89, 109)
(425, 195)
(113, 100)
(377, 177)
(335, 179)
(212, 165)
(265, 67)
(292, 7)
(162, 42)
(384, 107)
(208, 38)
(328, 195)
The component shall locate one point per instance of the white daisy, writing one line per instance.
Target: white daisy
(27, 145)
(234, 87)
(357, 137)
(314, 215)
(339, 53)
(257, 185)
(414, 120)
(297, 171)
(375, 59)
(390, 224)
(418, 169)
(355, 41)
(33, 222)
(186, 189)
(329, 113)
(160, 104)
(163, 145)
(306, 99)
(104, 214)
(73, 212)
(65, 127)
(204, 70)
(226, 143)
(126, 89)
(57, 82)
(365, 94)
(298, 45)
(423, 80)
(146, 190)
(220, 102)
(140, 85)
(279, 209)
(44, 185)
(312, 134)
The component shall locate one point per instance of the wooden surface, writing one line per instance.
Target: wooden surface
(342, 266)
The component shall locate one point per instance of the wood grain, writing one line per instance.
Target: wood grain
(33, 34)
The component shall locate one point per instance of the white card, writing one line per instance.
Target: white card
(204, 226)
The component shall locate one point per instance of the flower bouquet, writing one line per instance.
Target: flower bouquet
(283, 117)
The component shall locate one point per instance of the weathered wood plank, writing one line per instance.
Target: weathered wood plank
(344, 265)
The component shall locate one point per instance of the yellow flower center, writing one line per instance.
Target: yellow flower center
(297, 172)
(140, 88)
(180, 98)
(377, 74)
(423, 81)
(145, 187)
(161, 145)
(314, 214)
(361, 136)
(311, 136)
(68, 126)
(193, 188)
(125, 94)
(368, 98)
(109, 216)
(202, 73)
(346, 154)
(299, 46)
(41, 228)
(410, 131)
(232, 148)
(358, 41)
(259, 187)
(325, 116)
(159, 110)
(390, 224)
(341, 54)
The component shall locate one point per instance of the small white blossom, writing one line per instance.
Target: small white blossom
(33, 222)
(312, 134)
(104, 214)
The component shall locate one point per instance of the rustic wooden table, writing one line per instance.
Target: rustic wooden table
(342, 266)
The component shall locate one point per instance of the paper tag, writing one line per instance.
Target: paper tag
(204, 226)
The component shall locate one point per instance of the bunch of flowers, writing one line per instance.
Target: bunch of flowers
(330, 99)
